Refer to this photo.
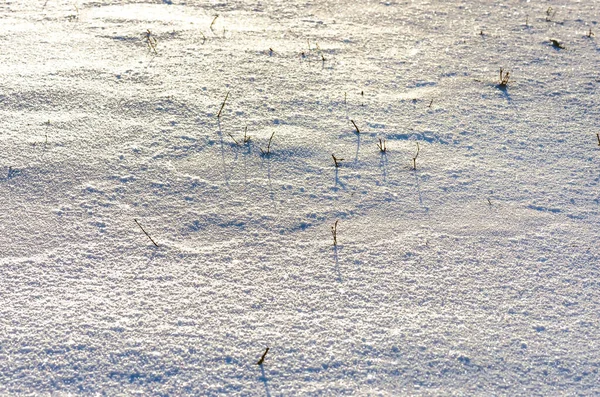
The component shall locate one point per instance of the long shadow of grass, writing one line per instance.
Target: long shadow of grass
(264, 379)
(337, 263)
(222, 144)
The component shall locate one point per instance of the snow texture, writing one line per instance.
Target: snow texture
(475, 274)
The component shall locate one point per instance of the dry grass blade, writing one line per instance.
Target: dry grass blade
(213, 21)
(223, 105)
(146, 233)
(381, 145)
(262, 359)
(334, 233)
(415, 158)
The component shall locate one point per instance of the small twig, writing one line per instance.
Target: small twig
(336, 161)
(598, 136)
(415, 158)
(203, 38)
(223, 105)
(355, 126)
(262, 359)
(381, 145)
(334, 233)
(246, 137)
(590, 33)
(146, 233)
(489, 202)
(268, 151)
(430, 103)
(213, 22)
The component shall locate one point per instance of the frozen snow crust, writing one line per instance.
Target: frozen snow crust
(475, 274)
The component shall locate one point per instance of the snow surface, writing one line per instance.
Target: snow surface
(475, 274)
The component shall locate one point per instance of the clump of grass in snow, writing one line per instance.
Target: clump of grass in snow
(504, 77)
(268, 151)
(151, 41)
(246, 137)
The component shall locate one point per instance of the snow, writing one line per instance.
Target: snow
(475, 274)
